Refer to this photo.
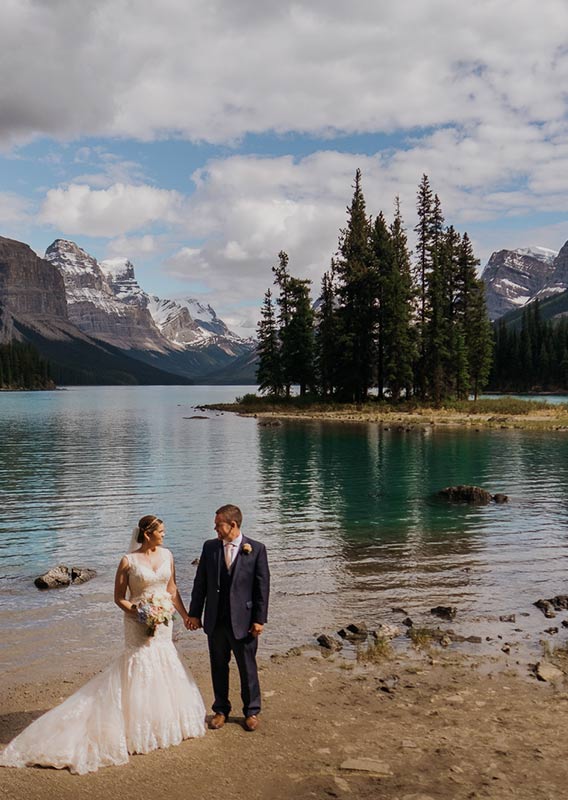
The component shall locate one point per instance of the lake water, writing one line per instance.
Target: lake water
(348, 512)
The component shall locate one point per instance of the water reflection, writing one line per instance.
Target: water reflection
(348, 511)
(360, 518)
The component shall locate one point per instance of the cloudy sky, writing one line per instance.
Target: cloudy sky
(200, 137)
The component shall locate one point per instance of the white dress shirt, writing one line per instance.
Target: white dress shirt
(233, 547)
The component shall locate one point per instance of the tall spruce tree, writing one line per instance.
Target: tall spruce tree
(423, 267)
(326, 336)
(282, 281)
(295, 328)
(269, 371)
(356, 291)
(440, 334)
(472, 314)
(399, 339)
(298, 345)
(384, 267)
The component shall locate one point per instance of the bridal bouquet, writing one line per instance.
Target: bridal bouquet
(157, 609)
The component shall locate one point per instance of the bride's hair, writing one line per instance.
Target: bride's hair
(147, 524)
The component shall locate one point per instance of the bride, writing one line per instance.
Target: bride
(145, 699)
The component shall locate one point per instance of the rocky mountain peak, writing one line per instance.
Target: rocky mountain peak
(31, 288)
(558, 280)
(94, 304)
(189, 322)
(513, 277)
(120, 275)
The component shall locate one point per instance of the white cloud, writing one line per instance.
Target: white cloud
(134, 246)
(246, 209)
(78, 209)
(215, 71)
(14, 209)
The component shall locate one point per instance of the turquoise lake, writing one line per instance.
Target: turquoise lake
(347, 511)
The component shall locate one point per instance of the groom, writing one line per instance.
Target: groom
(232, 581)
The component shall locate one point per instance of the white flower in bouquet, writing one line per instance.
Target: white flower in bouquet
(157, 609)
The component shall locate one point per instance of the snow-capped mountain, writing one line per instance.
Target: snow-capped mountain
(120, 276)
(106, 301)
(541, 253)
(513, 277)
(188, 322)
(558, 281)
(95, 308)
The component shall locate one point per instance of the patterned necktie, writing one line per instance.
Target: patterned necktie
(228, 554)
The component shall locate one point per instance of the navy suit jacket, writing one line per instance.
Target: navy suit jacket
(250, 586)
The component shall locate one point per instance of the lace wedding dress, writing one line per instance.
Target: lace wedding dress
(145, 699)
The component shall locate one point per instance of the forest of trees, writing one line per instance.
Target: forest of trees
(403, 327)
(532, 355)
(21, 367)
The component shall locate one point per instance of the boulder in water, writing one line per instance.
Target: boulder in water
(466, 494)
(54, 578)
(82, 574)
(62, 575)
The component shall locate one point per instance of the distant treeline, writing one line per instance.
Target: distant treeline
(21, 367)
(409, 328)
(532, 355)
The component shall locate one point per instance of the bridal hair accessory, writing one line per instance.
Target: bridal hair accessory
(246, 548)
(149, 520)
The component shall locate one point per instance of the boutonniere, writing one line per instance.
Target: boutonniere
(246, 548)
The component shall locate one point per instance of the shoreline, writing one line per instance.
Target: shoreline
(550, 419)
(427, 724)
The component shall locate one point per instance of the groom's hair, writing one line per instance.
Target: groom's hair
(231, 513)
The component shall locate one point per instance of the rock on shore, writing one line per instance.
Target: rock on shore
(62, 575)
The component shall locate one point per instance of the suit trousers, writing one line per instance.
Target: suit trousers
(221, 644)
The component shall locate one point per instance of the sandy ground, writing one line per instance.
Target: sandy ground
(431, 725)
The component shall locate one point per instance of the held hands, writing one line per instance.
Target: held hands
(192, 623)
(256, 629)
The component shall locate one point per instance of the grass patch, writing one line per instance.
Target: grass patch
(377, 651)
(557, 655)
(421, 637)
(503, 406)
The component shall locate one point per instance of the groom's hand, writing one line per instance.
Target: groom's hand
(256, 629)
(193, 623)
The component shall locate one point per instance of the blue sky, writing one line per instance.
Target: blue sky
(200, 138)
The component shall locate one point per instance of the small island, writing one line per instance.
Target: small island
(492, 413)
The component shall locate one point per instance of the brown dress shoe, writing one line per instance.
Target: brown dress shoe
(217, 721)
(251, 723)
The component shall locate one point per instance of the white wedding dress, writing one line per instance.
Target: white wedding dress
(145, 699)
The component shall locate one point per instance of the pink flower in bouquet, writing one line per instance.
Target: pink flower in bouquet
(157, 609)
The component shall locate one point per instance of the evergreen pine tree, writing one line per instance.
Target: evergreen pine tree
(356, 290)
(326, 336)
(384, 267)
(282, 281)
(298, 345)
(398, 336)
(442, 336)
(423, 266)
(470, 304)
(269, 371)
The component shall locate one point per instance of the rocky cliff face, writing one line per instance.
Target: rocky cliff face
(513, 277)
(120, 275)
(31, 289)
(95, 306)
(106, 301)
(192, 324)
(558, 281)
